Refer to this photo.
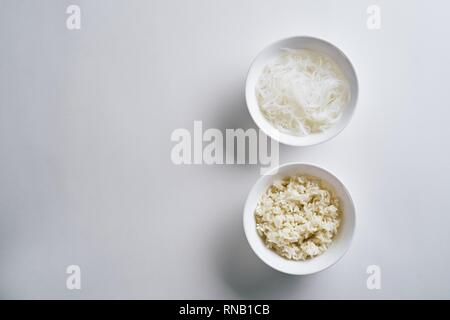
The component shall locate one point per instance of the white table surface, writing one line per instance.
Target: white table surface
(85, 170)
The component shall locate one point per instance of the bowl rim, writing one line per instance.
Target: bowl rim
(350, 235)
(274, 134)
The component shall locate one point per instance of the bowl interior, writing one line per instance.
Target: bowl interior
(340, 243)
(273, 51)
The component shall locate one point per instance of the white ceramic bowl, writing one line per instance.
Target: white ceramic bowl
(341, 242)
(274, 51)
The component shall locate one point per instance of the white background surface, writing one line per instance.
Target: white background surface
(85, 170)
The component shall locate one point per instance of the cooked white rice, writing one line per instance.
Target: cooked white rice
(298, 217)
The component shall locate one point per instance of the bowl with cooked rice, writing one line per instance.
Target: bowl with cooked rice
(299, 219)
